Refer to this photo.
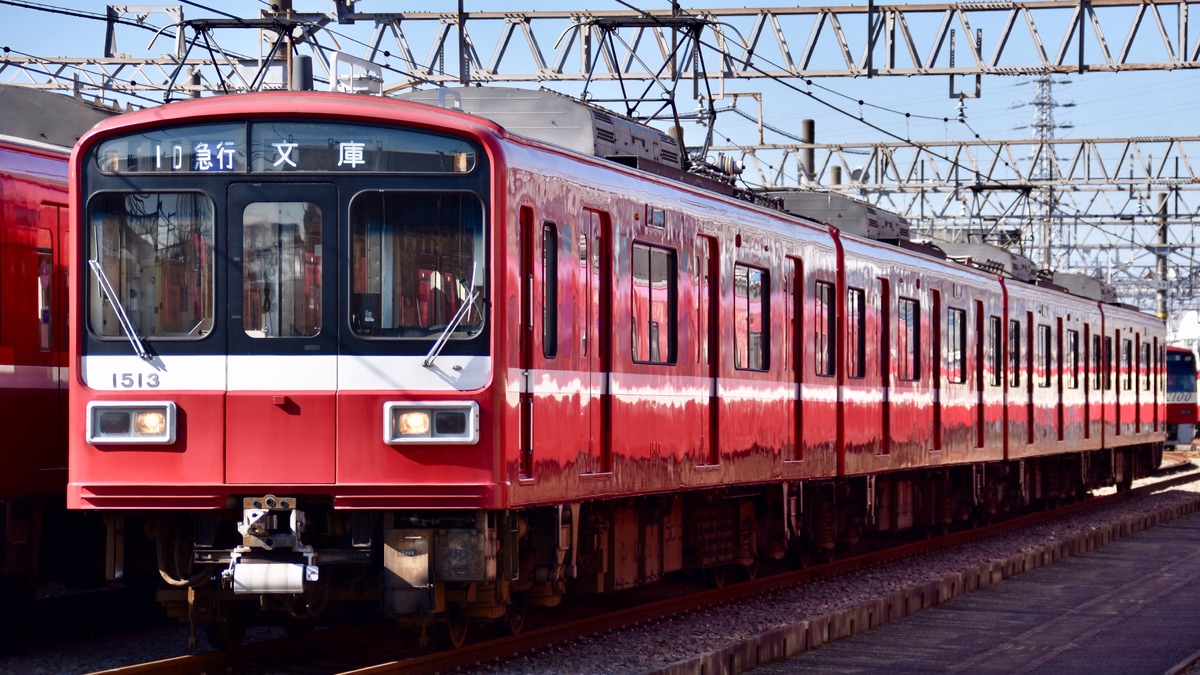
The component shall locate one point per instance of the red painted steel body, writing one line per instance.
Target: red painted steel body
(1181, 395)
(34, 233)
(32, 341)
(608, 413)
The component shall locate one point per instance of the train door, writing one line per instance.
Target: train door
(705, 278)
(52, 335)
(1138, 376)
(1112, 378)
(595, 358)
(795, 311)
(885, 362)
(542, 432)
(283, 336)
(51, 344)
(526, 341)
(1090, 394)
(1058, 360)
(936, 370)
(980, 374)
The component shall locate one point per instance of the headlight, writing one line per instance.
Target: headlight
(412, 423)
(124, 422)
(430, 422)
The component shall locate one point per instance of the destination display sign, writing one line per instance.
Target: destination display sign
(282, 146)
(209, 148)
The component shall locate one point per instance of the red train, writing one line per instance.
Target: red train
(36, 136)
(341, 348)
(1181, 396)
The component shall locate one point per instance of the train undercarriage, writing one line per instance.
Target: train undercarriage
(294, 561)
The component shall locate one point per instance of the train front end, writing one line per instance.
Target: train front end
(282, 342)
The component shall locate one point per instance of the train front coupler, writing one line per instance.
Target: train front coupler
(271, 530)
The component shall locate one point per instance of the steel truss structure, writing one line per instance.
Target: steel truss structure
(1112, 206)
(1120, 208)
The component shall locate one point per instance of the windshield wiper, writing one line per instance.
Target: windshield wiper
(463, 310)
(139, 347)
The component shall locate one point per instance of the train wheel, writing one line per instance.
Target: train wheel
(799, 554)
(452, 632)
(716, 576)
(514, 616)
(297, 627)
(749, 572)
(226, 634)
(824, 556)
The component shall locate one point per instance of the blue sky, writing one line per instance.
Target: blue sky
(1119, 105)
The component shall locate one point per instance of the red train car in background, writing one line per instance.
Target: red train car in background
(36, 135)
(456, 364)
(1181, 396)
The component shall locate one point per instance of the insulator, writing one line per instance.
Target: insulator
(728, 165)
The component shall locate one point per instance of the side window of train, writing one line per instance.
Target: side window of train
(550, 290)
(45, 284)
(856, 333)
(1146, 366)
(1127, 365)
(956, 345)
(1108, 363)
(1072, 359)
(751, 289)
(1097, 363)
(1014, 353)
(908, 339)
(995, 351)
(1043, 356)
(824, 328)
(653, 304)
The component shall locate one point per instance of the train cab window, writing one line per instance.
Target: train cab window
(549, 290)
(856, 333)
(1044, 356)
(995, 351)
(956, 345)
(824, 328)
(1072, 359)
(281, 269)
(151, 261)
(1127, 368)
(908, 339)
(1014, 353)
(653, 304)
(751, 289)
(416, 261)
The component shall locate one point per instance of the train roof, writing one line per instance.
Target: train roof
(990, 257)
(1087, 286)
(44, 117)
(585, 128)
(845, 213)
(554, 118)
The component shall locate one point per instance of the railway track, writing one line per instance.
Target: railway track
(382, 648)
(52, 622)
